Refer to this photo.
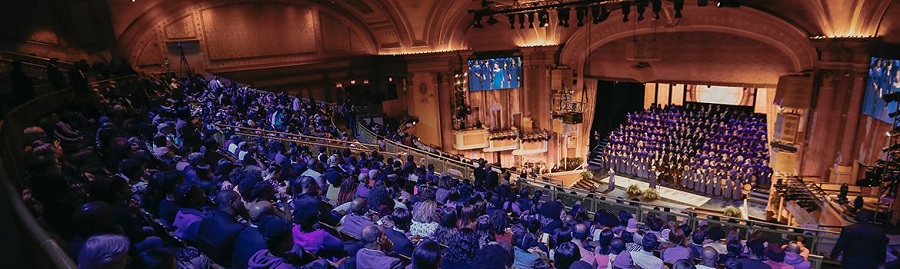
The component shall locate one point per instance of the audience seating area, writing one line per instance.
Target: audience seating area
(189, 173)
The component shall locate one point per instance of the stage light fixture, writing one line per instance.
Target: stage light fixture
(512, 21)
(702, 3)
(894, 114)
(562, 14)
(728, 3)
(521, 21)
(543, 18)
(600, 13)
(891, 97)
(641, 7)
(626, 9)
(477, 23)
(679, 5)
(530, 19)
(657, 7)
(491, 20)
(580, 13)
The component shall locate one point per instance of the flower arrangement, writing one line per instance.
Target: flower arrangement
(650, 195)
(633, 190)
(732, 211)
(587, 174)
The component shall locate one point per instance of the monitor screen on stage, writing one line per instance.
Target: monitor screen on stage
(883, 79)
(495, 73)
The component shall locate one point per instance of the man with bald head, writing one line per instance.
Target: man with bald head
(250, 240)
(373, 255)
(307, 201)
(219, 229)
(354, 222)
(580, 237)
(708, 258)
(793, 258)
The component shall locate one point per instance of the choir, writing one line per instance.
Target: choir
(708, 149)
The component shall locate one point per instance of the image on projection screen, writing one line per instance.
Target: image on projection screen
(883, 79)
(723, 95)
(495, 73)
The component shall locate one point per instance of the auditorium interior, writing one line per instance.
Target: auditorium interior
(390, 133)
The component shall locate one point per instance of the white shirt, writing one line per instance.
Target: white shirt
(646, 260)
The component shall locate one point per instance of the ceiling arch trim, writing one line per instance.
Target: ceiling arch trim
(745, 22)
(145, 27)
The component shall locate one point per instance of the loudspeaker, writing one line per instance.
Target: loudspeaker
(642, 72)
(642, 51)
(572, 118)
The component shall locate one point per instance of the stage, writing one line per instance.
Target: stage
(664, 192)
(673, 198)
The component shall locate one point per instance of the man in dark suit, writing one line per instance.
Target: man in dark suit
(219, 229)
(863, 245)
(401, 218)
(492, 179)
(250, 240)
(23, 87)
(480, 174)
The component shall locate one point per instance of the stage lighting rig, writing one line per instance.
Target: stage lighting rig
(543, 18)
(512, 20)
(599, 10)
(679, 5)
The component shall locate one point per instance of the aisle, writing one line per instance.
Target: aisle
(622, 182)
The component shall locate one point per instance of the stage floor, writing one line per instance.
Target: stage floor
(674, 198)
(664, 192)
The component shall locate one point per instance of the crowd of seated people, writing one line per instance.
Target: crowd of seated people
(150, 146)
(701, 147)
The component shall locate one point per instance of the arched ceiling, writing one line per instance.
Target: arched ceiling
(407, 26)
(699, 58)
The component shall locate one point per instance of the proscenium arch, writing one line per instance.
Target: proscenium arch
(745, 22)
(142, 29)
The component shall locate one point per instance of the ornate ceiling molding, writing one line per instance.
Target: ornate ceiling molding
(746, 22)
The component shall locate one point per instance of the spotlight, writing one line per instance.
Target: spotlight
(891, 97)
(702, 3)
(894, 114)
(491, 20)
(657, 7)
(562, 15)
(599, 13)
(485, 3)
(531, 20)
(728, 3)
(543, 18)
(521, 21)
(679, 5)
(641, 7)
(512, 21)
(580, 14)
(626, 8)
(477, 23)
(891, 148)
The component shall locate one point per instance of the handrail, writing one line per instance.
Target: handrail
(23, 55)
(304, 138)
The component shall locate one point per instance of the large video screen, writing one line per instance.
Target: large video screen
(883, 79)
(495, 73)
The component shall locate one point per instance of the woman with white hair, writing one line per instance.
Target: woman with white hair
(106, 251)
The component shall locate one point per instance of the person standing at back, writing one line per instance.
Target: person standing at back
(862, 244)
(23, 87)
